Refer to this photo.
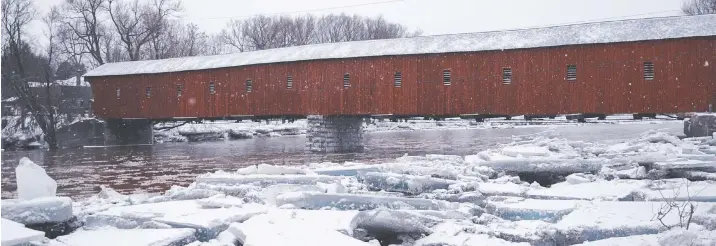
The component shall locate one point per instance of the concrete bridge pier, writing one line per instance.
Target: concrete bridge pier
(334, 134)
(129, 132)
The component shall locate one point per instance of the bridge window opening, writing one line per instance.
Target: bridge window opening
(506, 75)
(648, 71)
(148, 92)
(446, 77)
(179, 90)
(346, 81)
(118, 92)
(249, 85)
(571, 72)
(398, 79)
(212, 88)
(289, 82)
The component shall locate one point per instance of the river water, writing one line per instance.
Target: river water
(80, 172)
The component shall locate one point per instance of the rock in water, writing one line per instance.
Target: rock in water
(33, 181)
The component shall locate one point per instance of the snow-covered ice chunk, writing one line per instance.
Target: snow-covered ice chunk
(352, 170)
(14, 233)
(516, 208)
(679, 190)
(546, 165)
(314, 200)
(210, 222)
(220, 201)
(33, 181)
(505, 189)
(268, 195)
(598, 220)
(408, 184)
(392, 222)
(184, 193)
(525, 150)
(473, 197)
(638, 240)
(341, 221)
(685, 164)
(125, 237)
(38, 210)
(441, 166)
(269, 169)
(674, 237)
(262, 230)
(264, 180)
(578, 178)
(458, 234)
(602, 189)
(134, 215)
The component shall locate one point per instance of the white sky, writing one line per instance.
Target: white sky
(432, 16)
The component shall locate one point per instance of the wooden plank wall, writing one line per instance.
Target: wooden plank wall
(609, 81)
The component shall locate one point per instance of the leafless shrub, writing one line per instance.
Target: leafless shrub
(684, 209)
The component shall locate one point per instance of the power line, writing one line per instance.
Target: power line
(301, 11)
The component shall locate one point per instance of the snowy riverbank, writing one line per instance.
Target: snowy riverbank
(229, 130)
(629, 193)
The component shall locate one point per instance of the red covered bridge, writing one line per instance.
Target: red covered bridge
(658, 65)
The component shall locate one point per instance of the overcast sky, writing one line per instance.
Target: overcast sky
(432, 16)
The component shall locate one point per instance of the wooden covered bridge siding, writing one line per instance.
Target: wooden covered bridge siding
(609, 80)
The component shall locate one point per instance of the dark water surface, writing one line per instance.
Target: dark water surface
(80, 172)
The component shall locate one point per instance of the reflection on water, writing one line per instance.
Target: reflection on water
(80, 172)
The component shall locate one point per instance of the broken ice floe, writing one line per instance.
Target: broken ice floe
(600, 192)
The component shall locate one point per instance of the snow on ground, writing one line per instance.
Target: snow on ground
(630, 193)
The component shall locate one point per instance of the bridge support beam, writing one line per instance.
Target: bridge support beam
(129, 132)
(334, 134)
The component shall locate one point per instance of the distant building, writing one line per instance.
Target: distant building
(71, 97)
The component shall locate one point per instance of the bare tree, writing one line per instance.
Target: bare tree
(303, 30)
(52, 23)
(676, 206)
(137, 24)
(699, 7)
(83, 18)
(16, 15)
(260, 32)
(233, 35)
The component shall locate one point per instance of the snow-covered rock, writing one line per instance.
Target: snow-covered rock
(14, 233)
(135, 237)
(33, 181)
(38, 210)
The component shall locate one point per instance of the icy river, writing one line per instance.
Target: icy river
(80, 172)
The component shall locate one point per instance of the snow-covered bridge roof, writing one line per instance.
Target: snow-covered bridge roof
(589, 33)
